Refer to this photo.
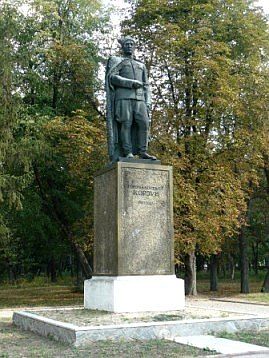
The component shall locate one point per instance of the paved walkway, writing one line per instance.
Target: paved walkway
(6, 313)
(227, 306)
(220, 345)
(242, 355)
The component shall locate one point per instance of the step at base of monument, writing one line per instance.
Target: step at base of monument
(134, 293)
(83, 335)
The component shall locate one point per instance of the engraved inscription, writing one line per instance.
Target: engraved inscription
(146, 233)
(144, 202)
(146, 192)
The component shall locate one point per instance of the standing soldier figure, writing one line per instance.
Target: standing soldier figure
(128, 103)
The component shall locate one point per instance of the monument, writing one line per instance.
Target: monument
(133, 204)
(128, 103)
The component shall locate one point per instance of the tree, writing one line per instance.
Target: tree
(14, 165)
(265, 198)
(54, 67)
(209, 84)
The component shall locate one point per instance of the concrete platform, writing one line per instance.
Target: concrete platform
(77, 336)
(220, 345)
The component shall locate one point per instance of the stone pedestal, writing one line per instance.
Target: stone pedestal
(135, 293)
(133, 242)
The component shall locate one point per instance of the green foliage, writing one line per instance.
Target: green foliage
(208, 65)
(51, 131)
(60, 70)
(76, 157)
(14, 164)
(12, 167)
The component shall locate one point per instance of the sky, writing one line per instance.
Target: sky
(264, 4)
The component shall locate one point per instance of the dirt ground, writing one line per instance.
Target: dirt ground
(82, 317)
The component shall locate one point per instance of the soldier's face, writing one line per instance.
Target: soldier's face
(128, 47)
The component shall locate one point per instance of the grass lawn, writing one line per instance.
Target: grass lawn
(52, 295)
(231, 288)
(260, 338)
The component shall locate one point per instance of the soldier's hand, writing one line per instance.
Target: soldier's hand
(137, 84)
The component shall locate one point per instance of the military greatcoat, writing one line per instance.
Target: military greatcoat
(127, 107)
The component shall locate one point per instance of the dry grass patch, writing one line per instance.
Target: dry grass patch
(254, 298)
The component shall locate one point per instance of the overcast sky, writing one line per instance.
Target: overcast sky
(264, 4)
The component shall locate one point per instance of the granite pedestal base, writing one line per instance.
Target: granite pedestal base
(134, 293)
(133, 220)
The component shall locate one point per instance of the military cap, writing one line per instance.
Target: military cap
(126, 38)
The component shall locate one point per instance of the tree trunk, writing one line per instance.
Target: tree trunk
(231, 266)
(71, 265)
(255, 250)
(222, 270)
(232, 271)
(213, 273)
(243, 249)
(265, 285)
(52, 270)
(86, 268)
(190, 274)
(11, 276)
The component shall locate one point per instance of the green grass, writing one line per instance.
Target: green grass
(53, 295)
(38, 281)
(228, 287)
(261, 338)
(166, 317)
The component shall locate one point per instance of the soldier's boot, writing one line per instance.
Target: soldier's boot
(145, 155)
(130, 156)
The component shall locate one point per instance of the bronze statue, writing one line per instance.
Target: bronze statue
(128, 103)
